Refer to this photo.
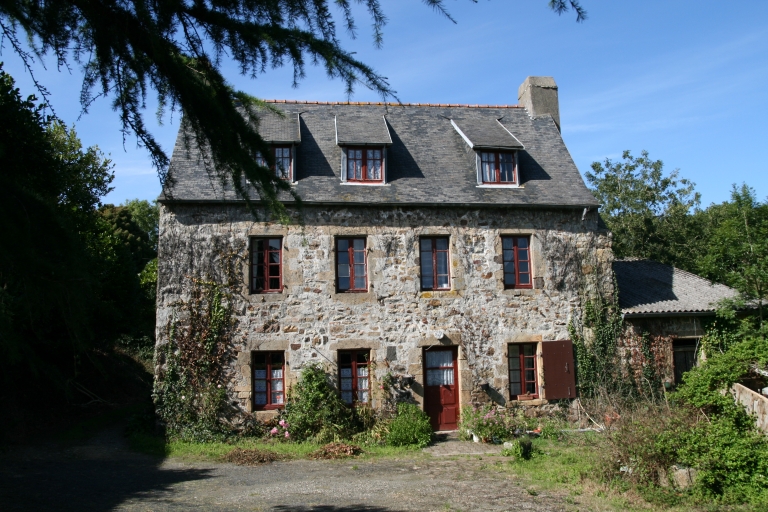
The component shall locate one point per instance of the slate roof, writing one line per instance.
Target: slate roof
(486, 134)
(277, 129)
(428, 162)
(359, 128)
(650, 288)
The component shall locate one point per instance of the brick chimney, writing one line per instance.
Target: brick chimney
(538, 94)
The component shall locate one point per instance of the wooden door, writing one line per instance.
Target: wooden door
(441, 390)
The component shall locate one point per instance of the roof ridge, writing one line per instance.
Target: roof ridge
(390, 104)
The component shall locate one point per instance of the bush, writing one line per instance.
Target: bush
(410, 427)
(315, 411)
(489, 423)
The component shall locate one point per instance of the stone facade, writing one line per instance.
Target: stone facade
(309, 321)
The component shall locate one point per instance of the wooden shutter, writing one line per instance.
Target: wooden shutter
(559, 373)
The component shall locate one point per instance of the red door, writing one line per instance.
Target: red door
(441, 391)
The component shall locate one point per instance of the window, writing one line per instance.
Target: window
(283, 168)
(517, 261)
(354, 380)
(351, 271)
(498, 168)
(435, 274)
(365, 164)
(268, 380)
(266, 265)
(523, 374)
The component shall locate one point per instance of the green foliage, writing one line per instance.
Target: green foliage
(595, 351)
(175, 49)
(703, 429)
(146, 215)
(737, 252)
(410, 427)
(314, 409)
(647, 210)
(190, 391)
(521, 449)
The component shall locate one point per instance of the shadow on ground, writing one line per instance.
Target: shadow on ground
(331, 508)
(98, 476)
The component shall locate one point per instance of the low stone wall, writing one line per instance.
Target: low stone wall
(755, 404)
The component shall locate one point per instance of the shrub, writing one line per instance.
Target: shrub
(489, 423)
(410, 427)
(315, 411)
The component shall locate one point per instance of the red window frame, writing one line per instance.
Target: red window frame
(353, 267)
(268, 363)
(363, 162)
(282, 155)
(516, 258)
(526, 377)
(494, 160)
(355, 389)
(266, 275)
(431, 255)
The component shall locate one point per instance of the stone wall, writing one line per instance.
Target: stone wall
(394, 319)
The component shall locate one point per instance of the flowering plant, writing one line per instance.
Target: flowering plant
(280, 431)
(488, 423)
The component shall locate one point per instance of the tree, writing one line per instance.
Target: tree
(126, 49)
(146, 215)
(737, 252)
(647, 210)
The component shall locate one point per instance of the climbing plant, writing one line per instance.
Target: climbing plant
(190, 389)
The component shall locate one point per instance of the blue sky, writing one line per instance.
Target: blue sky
(684, 80)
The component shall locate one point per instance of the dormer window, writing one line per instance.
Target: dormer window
(283, 168)
(365, 164)
(498, 167)
(363, 142)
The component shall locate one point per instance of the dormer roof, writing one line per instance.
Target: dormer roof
(359, 129)
(486, 134)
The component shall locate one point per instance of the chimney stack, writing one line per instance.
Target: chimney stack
(538, 94)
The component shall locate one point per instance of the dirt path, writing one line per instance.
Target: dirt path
(101, 474)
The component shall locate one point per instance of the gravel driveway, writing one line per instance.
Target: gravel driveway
(101, 474)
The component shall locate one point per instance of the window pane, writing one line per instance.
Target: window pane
(259, 358)
(509, 267)
(359, 282)
(442, 244)
(358, 244)
(274, 257)
(525, 279)
(514, 388)
(363, 397)
(343, 257)
(530, 387)
(426, 271)
(523, 266)
(277, 373)
(426, 245)
(277, 398)
(346, 384)
(362, 383)
(346, 372)
(260, 398)
(362, 371)
(439, 358)
(509, 279)
(277, 385)
(277, 358)
(442, 263)
(514, 350)
(345, 358)
(344, 283)
(347, 396)
(374, 170)
(274, 270)
(274, 244)
(343, 270)
(260, 374)
(522, 243)
(514, 363)
(342, 244)
(274, 283)
(507, 168)
(506, 243)
(359, 256)
(442, 282)
(260, 385)
(522, 254)
(528, 350)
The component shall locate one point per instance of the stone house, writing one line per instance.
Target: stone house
(440, 253)
(670, 307)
